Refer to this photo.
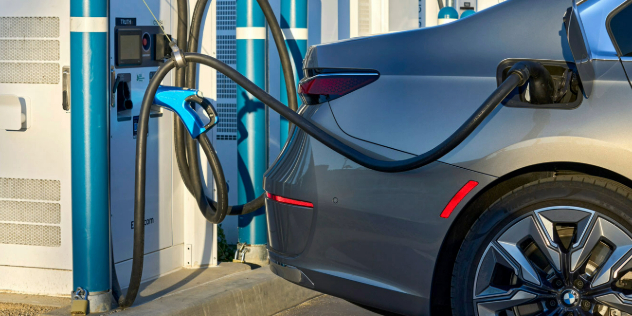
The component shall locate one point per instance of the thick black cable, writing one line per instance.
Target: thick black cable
(284, 56)
(515, 78)
(178, 131)
(183, 23)
(217, 213)
(139, 185)
(191, 146)
(288, 73)
(116, 287)
(180, 81)
(187, 146)
(194, 34)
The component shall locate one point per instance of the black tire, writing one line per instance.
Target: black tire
(601, 195)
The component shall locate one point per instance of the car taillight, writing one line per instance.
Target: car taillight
(326, 87)
(289, 201)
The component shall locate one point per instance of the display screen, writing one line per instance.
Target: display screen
(129, 47)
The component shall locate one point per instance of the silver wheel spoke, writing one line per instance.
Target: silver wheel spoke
(495, 275)
(602, 230)
(490, 308)
(510, 240)
(551, 216)
(614, 301)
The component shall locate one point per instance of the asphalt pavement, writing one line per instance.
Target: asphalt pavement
(326, 305)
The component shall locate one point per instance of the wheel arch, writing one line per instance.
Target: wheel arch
(440, 291)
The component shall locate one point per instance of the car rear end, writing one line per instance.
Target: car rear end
(342, 229)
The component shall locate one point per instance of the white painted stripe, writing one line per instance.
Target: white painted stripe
(445, 21)
(295, 34)
(88, 24)
(251, 33)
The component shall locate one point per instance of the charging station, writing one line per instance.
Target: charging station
(35, 133)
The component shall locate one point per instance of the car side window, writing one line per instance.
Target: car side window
(621, 30)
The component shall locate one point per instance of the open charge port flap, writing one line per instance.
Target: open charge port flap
(567, 88)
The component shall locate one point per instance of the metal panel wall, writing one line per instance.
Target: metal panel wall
(35, 208)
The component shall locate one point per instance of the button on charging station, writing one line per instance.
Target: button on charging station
(146, 42)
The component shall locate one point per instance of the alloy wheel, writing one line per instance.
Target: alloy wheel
(559, 260)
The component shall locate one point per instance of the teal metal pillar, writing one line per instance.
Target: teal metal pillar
(251, 119)
(89, 150)
(294, 27)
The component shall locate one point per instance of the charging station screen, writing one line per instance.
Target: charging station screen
(130, 47)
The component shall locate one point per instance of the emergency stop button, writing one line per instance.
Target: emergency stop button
(146, 42)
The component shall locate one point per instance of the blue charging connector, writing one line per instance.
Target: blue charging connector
(182, 101)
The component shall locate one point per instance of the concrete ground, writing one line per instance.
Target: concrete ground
(325, 305)
(228, 289)
(178, 281)
(28, 305)
(7, 309)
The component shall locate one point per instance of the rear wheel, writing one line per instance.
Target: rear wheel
(558, 246)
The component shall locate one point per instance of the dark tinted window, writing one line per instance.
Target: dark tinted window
(621, 27)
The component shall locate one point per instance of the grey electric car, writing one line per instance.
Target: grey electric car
(530, 215)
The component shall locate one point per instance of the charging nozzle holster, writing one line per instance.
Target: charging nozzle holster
(182, 102)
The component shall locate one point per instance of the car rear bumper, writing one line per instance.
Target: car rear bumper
(358, 292)
(371, 237)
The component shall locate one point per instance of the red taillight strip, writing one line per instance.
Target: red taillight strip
(326, 87)
(285, 200)
(336, 84)
(458, 197)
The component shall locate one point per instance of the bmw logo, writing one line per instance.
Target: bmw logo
(569, 297)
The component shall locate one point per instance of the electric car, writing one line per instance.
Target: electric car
(530, 215)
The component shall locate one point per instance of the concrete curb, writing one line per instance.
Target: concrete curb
(256, 292)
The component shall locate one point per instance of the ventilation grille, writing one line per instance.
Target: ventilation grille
(31, 235)
(25, 27)
(364, 17)
(225, 15)
(226, 88)
(227, 49)
(29, 50)
(29, 73)
(226, 52)
(33, 222)
(30, 189)
(30, 212)
(226, 137)
(29, 46)
(227, 118)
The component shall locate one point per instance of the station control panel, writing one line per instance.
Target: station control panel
(135, 46)
(139, 46)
